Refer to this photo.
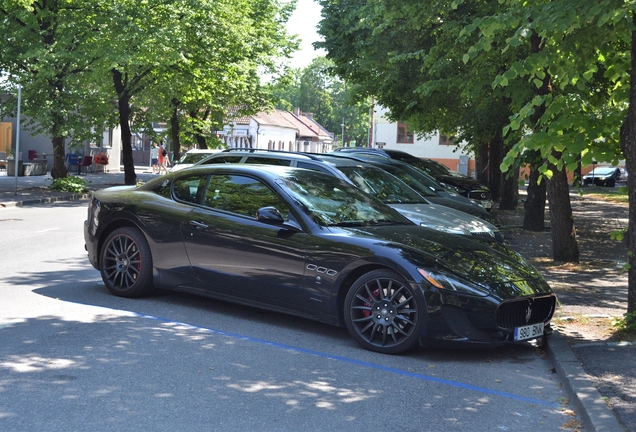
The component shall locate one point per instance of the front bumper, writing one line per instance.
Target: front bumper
(467, 320)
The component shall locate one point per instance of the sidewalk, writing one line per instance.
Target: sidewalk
(34, 189)
(578, 367)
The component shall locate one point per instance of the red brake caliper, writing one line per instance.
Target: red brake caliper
(375, 293)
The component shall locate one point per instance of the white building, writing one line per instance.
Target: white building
(397, 136)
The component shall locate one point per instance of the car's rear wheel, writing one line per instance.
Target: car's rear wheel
(126, 263)
(383, 313)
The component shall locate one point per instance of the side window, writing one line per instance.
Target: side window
(242, 195)
(312, 166)
(223, 159)
(189, 189)
(267, 161)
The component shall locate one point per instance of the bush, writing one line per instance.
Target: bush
(69, 184)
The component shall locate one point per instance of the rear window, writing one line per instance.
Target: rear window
(267, 161)
(223, 159)
(313, 166)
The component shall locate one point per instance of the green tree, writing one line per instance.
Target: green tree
(317, 90)
(584, 57)
(408, 55)
(47, 50)
(188, 60)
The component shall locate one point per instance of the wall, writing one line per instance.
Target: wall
(385, 131)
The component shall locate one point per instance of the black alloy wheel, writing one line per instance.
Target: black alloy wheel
(383, 313)
(126, 263)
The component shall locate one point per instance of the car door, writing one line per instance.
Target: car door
(235, 255)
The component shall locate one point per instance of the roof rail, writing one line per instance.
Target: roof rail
(252, 150)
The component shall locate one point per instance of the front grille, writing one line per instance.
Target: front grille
(524, 311)
(479, 195)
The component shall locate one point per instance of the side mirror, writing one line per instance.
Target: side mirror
(269, 215)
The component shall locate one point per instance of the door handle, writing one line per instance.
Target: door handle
(198, 225)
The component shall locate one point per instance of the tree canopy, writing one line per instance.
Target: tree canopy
(316, 89)
(87, 64)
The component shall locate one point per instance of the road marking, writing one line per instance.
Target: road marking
(359, 363)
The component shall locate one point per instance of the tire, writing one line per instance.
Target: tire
(610, 183)
(383, 313)
(126, 263)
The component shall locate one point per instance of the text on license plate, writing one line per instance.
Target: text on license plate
(528, 332)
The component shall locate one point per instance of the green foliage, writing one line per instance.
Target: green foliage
(86, 65)
(315, 89)
(69, 184)
(627, 323)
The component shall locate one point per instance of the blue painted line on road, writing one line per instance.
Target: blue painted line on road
(360, 363)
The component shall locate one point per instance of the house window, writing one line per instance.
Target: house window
(403, 134)
(446, 140)
(107, 140)
(136, 142)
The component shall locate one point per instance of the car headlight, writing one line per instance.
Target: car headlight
(444, 282)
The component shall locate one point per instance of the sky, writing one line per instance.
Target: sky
(303, 22)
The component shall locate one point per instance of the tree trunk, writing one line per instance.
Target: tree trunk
(174, 131)
(577, 180)
(628, 145)
(481, 163)
(509, 197)
(59, 158)
(534, 216)
(201, 142)
(130, 178)
(494, 163)
(565, 248)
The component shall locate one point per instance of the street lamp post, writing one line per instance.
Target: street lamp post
(17, 139)
(343, 125)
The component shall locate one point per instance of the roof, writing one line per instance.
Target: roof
(306, 127)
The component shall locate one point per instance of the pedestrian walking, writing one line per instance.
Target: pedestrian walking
(154, 158)
(164, 159)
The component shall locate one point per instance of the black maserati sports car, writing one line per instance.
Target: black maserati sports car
(305, 243)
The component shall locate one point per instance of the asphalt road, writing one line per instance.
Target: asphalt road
(73, 357)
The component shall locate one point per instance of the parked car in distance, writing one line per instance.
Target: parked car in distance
(191, 157)
(381, 184)
(305, 243)
(425, 185)
(463, 185)
(605, 176)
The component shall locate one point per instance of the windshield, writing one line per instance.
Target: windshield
(382, 185)
(430, 167)
(419, 181)
(192, 158)
(330, 201)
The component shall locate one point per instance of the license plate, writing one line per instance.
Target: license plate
(528, 332)
(486, 204)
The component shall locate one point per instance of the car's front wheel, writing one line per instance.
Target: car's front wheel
(126, 263)
(383, 313)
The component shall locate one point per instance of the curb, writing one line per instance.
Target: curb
(584, 397)
(20, 203)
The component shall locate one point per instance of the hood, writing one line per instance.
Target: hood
(467, 206)
(444, 219)
(492, 268)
